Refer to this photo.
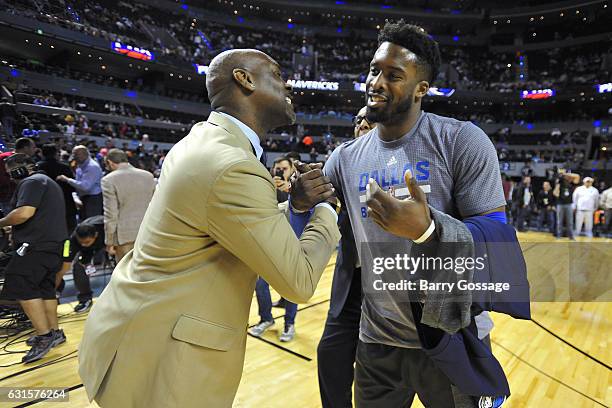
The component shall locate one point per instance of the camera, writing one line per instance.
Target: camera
(279, 173)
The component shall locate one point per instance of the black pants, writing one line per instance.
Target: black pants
(524, 214)
(389, 377)
(81, 279)
(92, 206)
(336, 353)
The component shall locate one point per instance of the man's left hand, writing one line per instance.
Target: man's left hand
(61, 177)
(408, 218)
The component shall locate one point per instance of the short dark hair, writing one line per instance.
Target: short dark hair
(293, 155)
(85, 231)
(18, 159)
(415, 39)
(282, 159)
(49, 150)
(23, 142)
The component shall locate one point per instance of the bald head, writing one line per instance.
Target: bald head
(249, 85)
(80, 153)
(222, 72)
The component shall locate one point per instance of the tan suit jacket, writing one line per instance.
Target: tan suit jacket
(127, 192)
(170, 328)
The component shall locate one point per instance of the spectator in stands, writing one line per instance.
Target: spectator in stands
(86, 182)
(605, 202)
(127, 192)
(54, 168)
(8, 115)
(38, 232)
(546, 209)
(527, 170)
(524, 201)
(564, 188)
(84, 249)
(586, 201)
(69, 128)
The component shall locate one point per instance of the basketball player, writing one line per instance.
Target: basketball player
(457, 169)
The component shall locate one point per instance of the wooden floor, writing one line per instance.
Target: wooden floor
(557, 360)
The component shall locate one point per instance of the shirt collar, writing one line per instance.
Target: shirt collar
(250, 134)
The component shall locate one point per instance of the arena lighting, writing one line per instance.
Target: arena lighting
(604, 88)
(317, 85)
(538, 94)
(132, 52)
(201, 69)
(445, 92)
(433, 91)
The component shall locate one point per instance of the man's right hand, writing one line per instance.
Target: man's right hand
(309, 187)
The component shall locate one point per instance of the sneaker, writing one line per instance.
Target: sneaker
(260, 327)
(288, 334)
(31, 340)
(281, 303)
(83, 306)
(59, 338)
(41, 346)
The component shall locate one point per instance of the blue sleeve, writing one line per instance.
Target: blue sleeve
(298, 221)
(87, 180)
(497, 216)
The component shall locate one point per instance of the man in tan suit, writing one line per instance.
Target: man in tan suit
(127, 192)
(170, 328)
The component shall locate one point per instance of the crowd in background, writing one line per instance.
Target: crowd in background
(180, 40)
(563, 204)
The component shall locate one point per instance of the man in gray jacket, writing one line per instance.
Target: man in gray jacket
(127, 192)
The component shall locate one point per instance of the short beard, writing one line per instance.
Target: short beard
(386, 116)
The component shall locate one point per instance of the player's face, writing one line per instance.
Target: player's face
(391, 83)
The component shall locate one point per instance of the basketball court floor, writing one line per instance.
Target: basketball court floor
(560, 359)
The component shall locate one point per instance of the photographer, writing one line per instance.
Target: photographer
(523, 200)
(39, 231)
(86, 246)
(546, 209)
(281, 172)
(563, 192)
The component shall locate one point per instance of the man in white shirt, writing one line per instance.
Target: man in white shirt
(586, 200)
(605, 202)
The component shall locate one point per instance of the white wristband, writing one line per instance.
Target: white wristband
(426, 234)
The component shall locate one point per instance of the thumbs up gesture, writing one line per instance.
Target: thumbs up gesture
(407, 218)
